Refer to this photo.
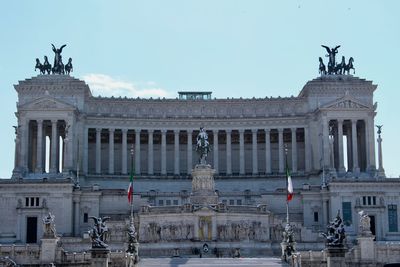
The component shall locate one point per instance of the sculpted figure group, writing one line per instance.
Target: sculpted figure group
(98, 233)
(335, 234)
(333, 67)
(58, 66)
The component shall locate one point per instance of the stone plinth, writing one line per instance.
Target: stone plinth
(335, 257)
(100, 257)
(367, 247)
(203, 186)
(48, 249)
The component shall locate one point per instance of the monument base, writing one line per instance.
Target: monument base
(367, 247)
(203, 187)
(335, 257)
(48, 249)
(100, 257)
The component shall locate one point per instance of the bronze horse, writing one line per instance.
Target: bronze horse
(322, 68)
(349, 66)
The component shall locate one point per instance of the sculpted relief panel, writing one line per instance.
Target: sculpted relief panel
(242, 231)
(155, 232)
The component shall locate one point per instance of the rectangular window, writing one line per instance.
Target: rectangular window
(32, 202)
(176, 202)
(231, 202)
(315, 216)
(364, 201)
(37, 202)
(369, 201)
(160, 202)
(346, 208)
(168, 202)
(224, 201)
(85, 217)
(392, 213)
(27, 202)
(374, 200)
(239, 202)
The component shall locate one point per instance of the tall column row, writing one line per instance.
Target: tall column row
(235, 151)
(353, 140)
(34, 153)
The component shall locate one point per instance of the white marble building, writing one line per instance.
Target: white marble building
(73, 158)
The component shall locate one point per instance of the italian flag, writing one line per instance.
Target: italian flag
(289, 185)
(130, 188)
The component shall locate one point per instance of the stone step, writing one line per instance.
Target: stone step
(212, 262)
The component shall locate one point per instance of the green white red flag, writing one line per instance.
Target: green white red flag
(289, 184)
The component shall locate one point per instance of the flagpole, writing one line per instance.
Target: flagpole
(287, 190)
(132, 170)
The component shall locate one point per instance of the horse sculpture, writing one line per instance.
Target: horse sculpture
(39, 66)
(322, 68)
(349, 66)
(46, 65)
(69, 67)
(339, 69)
(203, 146)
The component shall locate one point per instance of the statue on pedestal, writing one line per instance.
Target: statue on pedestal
(49, 227)
(203, 146)
(99, 231)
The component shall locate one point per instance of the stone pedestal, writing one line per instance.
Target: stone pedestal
(367, 247)
(203, 186)
(48, 249)
(335, 257)
(100, 257)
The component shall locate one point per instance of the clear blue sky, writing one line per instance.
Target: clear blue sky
(233, 48)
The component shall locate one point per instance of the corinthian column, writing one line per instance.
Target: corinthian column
(137, 151)
(294, 150)
(241, 151)
(163, 152)
(267, 151)
(150, 160)
(176, 152)
(356, 168)
(111, 151)
(228, 152)
(124, 169)
(281, 160)
(39, 147)
(98, 150)
(189, 151)
(340, 145)
(216, 160)
(254, 151)
(53, 146)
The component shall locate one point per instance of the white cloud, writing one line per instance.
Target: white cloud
(105, 85)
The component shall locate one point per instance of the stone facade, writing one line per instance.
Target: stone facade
(73, 159)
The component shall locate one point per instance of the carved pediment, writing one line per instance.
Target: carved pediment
(46, 103)
(346, 103)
